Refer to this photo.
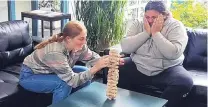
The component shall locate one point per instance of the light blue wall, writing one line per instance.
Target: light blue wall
(34, 6)
(11, 10)
(64, 9)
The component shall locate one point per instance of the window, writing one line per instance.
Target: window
(135, 9)
(192, 13)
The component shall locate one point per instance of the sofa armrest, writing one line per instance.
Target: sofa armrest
(196, 49)
(196, 62)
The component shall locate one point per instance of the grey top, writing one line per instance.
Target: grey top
(55, 58)
(154, 54)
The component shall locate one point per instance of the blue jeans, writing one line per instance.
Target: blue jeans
(48, 83)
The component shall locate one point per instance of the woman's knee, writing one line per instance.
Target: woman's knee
(61, 92)
(188, 82)
(78, 68)
(185, 83)
(64, 86)
(181, 77)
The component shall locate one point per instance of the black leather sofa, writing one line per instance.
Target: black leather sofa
(15, 45)
(195, 62)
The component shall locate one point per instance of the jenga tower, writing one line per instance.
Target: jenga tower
(113, 74)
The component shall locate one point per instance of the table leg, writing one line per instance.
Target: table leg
(22, 17)
(42, 28)
(51, 28)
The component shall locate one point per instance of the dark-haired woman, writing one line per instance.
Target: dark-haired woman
(156, 45)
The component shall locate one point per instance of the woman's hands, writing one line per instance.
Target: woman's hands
(102, 63)
(147, 26)
(157, 25)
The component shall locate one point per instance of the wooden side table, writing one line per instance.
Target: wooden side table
(45, 16)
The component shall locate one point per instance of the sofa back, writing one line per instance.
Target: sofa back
(15, 42)
(196, 50)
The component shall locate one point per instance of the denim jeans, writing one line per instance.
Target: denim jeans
(48, 83)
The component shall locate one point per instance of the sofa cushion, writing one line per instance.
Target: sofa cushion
(8, 85)
(8, 78)
(15, 42)
(14, 69)
(199, 77)
(7, 89)
(196, 50)
(199, 91)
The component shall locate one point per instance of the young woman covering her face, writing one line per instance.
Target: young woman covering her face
(156, 45)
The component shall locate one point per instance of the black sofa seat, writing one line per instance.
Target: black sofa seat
(8, 85)
(198, 94)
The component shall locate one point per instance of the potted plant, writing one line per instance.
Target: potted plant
(104, 21)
